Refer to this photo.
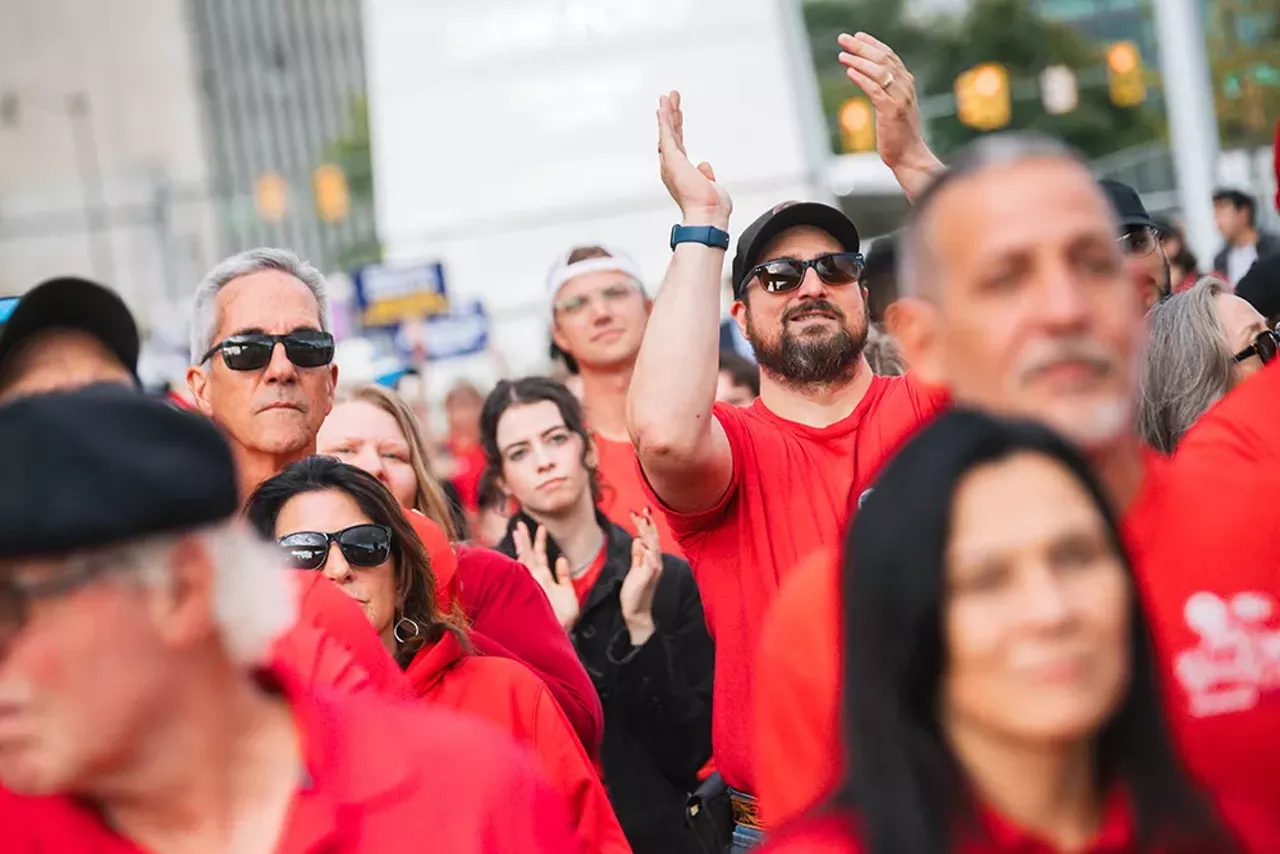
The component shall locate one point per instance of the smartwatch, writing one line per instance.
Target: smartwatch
(707, 235)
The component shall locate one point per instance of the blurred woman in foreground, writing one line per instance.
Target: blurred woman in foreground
(1000, 694)
(334, 518)
(373, 429)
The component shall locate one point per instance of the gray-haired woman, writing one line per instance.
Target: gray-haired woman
(1202, 342)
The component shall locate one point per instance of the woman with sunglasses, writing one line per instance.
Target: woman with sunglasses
(1203, 343)
(334, 518)
(373, 428)
(633, 613)
(1000, 693)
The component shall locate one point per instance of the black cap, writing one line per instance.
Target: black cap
(788, 215)
(1128, 205)
(71, 303)
(103, 465)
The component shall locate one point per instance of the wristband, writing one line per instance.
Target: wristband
(708, 235)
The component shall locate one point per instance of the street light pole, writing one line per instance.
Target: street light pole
(78, 112)
(1193, 125)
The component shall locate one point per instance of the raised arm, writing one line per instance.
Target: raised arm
(683, 449)
(881, 75)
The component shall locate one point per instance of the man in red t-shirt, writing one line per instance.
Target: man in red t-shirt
(751, 491)
(599, 311)
(1030, 314)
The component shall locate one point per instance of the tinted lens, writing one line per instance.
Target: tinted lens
(843, 268)
(1266, 345)
(305, 549)
(308, 349)
(365, 545)
(246, 353)
(780, 276)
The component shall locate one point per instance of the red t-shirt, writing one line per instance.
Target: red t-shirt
(623, 492)
(786, 499)
(378, 773)
(470, 462)
(1205, 542)
(583, 583)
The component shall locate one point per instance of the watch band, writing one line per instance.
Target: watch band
(708, 235)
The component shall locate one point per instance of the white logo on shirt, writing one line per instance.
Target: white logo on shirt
(1238, 657)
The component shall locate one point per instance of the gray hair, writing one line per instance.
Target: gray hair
(253, 599)
(204, 315)
(917, 267)
(1188, 366)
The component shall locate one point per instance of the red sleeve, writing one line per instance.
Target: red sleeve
(320, 661)
(798, 680)
(539, 823)
(514, 619)
(322, 605)
(1243, 426)
(571, 772)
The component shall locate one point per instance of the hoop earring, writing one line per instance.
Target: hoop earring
(404, 624)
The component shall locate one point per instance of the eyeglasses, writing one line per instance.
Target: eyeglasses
(306, 348)
(16, 597)
(361, 545)
(786, 274)
(1264, 346)
(1140, 240)
(610, 295)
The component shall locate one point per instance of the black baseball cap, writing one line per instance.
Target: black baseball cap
(103, 465)
(73, 303)
(1128, 206)
(777, 220)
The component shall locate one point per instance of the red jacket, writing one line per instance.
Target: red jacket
(511, 618)
(510, 695)
(381, 776)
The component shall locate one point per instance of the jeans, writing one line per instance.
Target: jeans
(745, 838)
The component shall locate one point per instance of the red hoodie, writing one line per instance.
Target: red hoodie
(511, 618)
(510, 695)
(380, 776)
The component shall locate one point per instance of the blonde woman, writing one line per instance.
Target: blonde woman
(372, 428)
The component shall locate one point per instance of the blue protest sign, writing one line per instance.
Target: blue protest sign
(462, 332)
(390, 294)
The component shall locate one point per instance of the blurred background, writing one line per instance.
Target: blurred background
(435, 157)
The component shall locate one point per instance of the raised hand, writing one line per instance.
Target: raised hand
(641, 583)
(558, 585)
(702, 201)
(881, 75)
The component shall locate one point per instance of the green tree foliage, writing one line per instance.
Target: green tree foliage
(938, 50)
(352, 152)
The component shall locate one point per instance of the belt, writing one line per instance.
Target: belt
(745, 811)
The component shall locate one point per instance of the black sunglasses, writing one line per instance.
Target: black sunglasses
(361, 545)
(786, 274)
(1265, 347)
(306, 348)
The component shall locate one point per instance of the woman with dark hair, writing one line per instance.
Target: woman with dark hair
(1000, 693)
(633, 613)
(337, 519)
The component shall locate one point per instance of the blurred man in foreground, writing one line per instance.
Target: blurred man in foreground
(136, 619)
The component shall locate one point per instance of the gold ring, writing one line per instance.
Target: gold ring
(888, 81)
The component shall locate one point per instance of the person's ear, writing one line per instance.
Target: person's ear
(198, 382)
(738, 311)
(558, 337)
(182, 606)
(916, 325)
(592, 457)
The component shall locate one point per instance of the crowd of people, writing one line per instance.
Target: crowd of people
(972, 553)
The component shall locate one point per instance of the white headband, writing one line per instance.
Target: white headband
(562, 272)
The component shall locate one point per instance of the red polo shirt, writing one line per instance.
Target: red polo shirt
(377, 774)
(786, 499)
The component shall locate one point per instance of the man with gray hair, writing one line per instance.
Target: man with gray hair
(137, 619)
(262, 358)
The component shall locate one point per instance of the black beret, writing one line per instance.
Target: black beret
(105, 464)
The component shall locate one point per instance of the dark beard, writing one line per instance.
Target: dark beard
(807, 362)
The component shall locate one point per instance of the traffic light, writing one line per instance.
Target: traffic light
(333, 199)
(271, 197)
(982, 97)
(857, 126)
(1126, 78)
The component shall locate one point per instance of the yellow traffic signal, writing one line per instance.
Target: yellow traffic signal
(982, 97)
(271, 197)
(1126, 79)
(857, 126)
(333, 199)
